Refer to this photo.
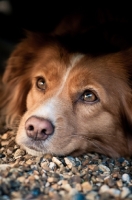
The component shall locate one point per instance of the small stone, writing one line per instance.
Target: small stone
(103, 168)
(116, 175)
(75, 171)
(114, 192)
(52, 180)
(66, 187)
(16, 195)
(45, 167)
(48, 157)
(9, 150)
(21, 179)
(119, 183)
(105, 196)
(47, 184)
(35, 192)
(93, 167)
(125, 163)
(126, 178)
(78, 196)
(76, 179)
(125, 192)
(91, 195)
(4, 166)
(52, 165)
(70, 161)
(4, 143)
(55, 186)
(19, 153)
(4, 136)
(104, 188)
(78, 187)
(86, 186)
(57, 161)
(54, 195)
(109, 181)
(85, 162)
(78, 161)
(29, 162)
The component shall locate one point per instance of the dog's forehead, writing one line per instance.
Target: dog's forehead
(56, 62)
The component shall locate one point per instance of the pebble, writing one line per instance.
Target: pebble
(86, 186)
(4, 166)
(70, 161)
(119, 183)
(126, 178)
(45, 167)
(78, 196)
(125, 192)
(114, 192)
(103, 168)
(93, 167)
(91, 195)
(87, 177)
(78, 187)
(104, 188)
(57, 161)
(52, 166)
(18, 153)
(52, 179)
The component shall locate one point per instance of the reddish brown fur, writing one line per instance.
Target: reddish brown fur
(104, 127)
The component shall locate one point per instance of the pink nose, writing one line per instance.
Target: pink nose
(38, 128)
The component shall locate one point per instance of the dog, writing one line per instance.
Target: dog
(68, 103)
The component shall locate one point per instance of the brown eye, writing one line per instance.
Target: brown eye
(40, 83)
(89, 96)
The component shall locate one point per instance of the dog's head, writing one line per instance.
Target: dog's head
(69, 103)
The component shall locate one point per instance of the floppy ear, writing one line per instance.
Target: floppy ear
(126, 107)
(16, 82)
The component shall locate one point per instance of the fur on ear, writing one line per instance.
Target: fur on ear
(126, 107)
(16, 82)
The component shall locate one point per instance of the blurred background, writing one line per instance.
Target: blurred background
(108, 23)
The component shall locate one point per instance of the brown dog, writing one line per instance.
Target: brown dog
(69, 103)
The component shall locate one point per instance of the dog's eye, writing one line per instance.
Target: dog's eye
(40, 83)
(89, 96)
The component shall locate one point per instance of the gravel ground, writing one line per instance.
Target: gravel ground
(87, 177)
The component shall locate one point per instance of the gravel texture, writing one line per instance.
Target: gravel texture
(87, 177)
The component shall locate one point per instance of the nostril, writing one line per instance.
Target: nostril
(43, 131)
(30, 128)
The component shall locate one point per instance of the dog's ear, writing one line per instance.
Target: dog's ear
(126, 120)
(126, 107)
(16, 81)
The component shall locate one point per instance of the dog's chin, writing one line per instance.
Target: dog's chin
(34, 152)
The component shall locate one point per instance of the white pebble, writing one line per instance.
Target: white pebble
(103, 168)
(52, 165)
(4, 166)
(126, 178)
(47, 184)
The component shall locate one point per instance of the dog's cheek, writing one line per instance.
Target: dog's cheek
(101, 130)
